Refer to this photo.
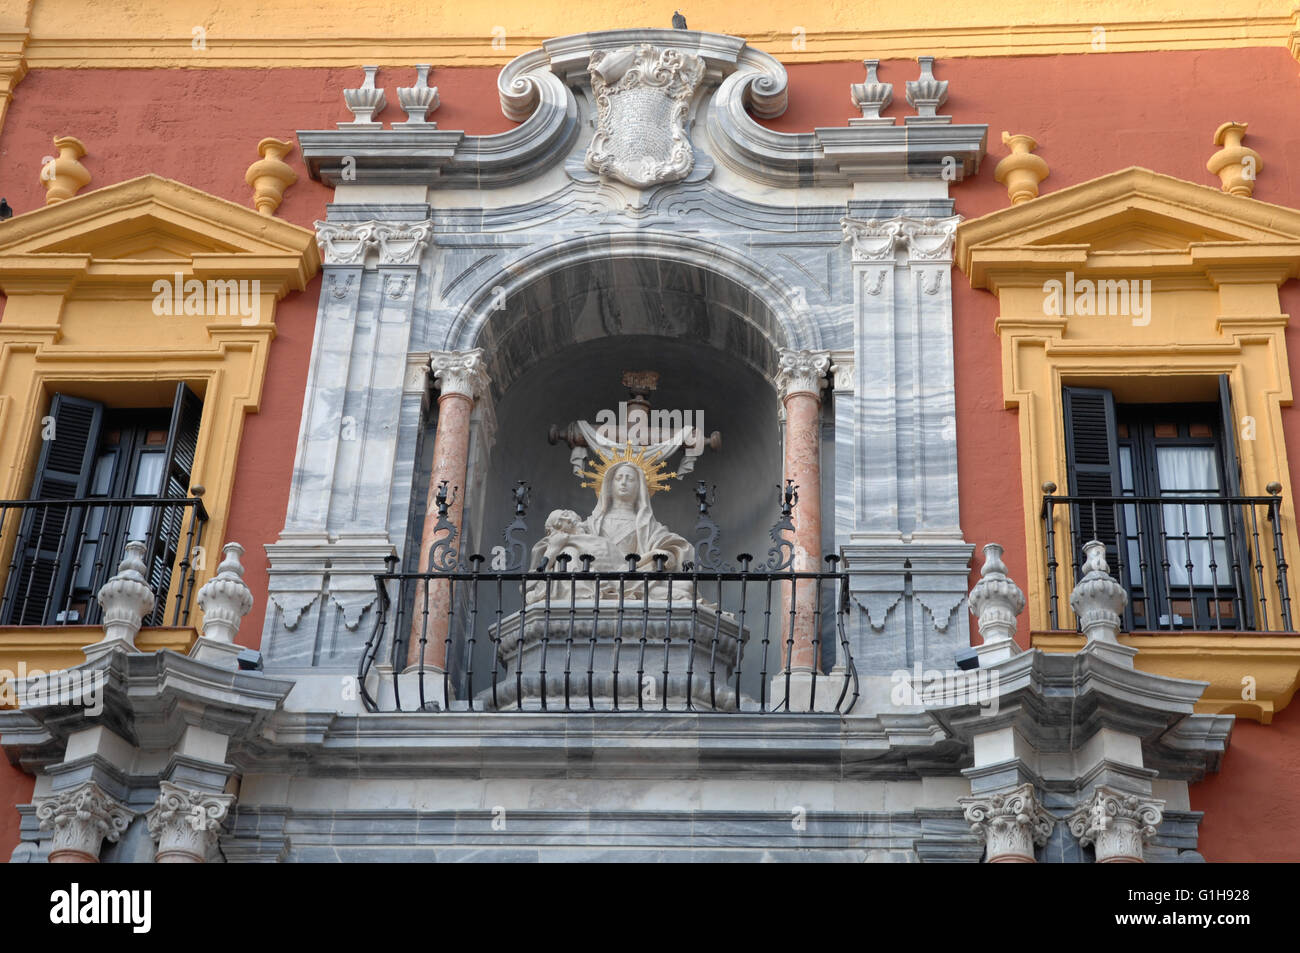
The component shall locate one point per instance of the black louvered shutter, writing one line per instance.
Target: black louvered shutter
(1092, 455)
(182, 444)
(1232, 487)
(48, 535)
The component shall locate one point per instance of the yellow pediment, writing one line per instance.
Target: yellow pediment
(1179, 225)
(157, 221)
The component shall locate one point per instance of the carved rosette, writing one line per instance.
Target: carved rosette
(996, 600)
(460, 372)
(399, 243)
(1098, 599)
(225, 598)
(1118, 823)
(1009, 824)
(126, 598)
(81, 819)
(802, 372)
(643, 95)
(186, 823)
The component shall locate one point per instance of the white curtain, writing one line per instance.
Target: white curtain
(1193, 531)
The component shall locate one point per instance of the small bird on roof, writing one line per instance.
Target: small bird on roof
(5, 210)
(679, 21)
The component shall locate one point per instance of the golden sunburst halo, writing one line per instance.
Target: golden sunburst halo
(655, 477)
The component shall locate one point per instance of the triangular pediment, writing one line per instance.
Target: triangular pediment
(1132, 211)
(149, 219)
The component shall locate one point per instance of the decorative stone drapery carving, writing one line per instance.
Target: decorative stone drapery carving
(1010, 824)
(81, 819)
(186, 823)
(1118, 823)
(643, 95)
(926, 239)
(399, 243)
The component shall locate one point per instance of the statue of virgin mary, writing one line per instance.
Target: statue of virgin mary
(622, 523)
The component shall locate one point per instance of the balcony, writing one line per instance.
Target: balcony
(490, 634)
(1189, 563)
(58, 554)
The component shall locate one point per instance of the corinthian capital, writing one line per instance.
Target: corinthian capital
(81, 819)
(802, 372)
(460, 372)
(185, 822)
(1118, 823)
(1009, 824)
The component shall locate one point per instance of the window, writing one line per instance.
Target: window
(1159, 484)
(65, 553)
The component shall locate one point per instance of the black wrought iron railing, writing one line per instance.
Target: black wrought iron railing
(709, 636)
(1188, 562)
(60, 552)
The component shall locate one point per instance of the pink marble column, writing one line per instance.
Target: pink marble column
(462, 381)
(800, 380)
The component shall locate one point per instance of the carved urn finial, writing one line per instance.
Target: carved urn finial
(225, 598)
(126, 598)
(63, 176)
(995, 602)
(926, 94)
(1098, 599)
(364, 102)
(419, 100)
(1235, 165)
(871, 97)
(1021, 171)
(270, 175)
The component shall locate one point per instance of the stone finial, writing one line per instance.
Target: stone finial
(186, 823)
(926, 94)
(81, 819)
(1021, 171)
(365, 101)
(1098, 599)
(1118, 823)
(126, 599)
(225, 599)
(802, 372)
(419, 100)
(995, 602)
(1235, 165)
(1009, 824)
(63, 176)
(872, 97)
(270, 175)
(460, 372)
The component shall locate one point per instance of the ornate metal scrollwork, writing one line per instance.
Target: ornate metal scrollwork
(781, 556)
(512, 556)
(708, 557)
(442, 554)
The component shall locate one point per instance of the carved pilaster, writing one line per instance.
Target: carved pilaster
(186, 823)
(872, 240)
(802, 372)
(81, 819)
(930, 239)
(402, 243)
(1009, 824)
(398, 243)
(1118, 823)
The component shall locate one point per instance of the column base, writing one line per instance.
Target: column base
(216, 652)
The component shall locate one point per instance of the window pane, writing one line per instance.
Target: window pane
(148, 476)
(1188, 469)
